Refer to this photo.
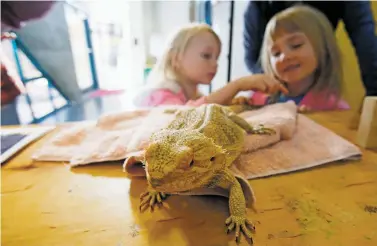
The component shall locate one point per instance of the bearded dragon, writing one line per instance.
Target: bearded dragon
(196, 150)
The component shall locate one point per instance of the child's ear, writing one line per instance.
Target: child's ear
(174, 59)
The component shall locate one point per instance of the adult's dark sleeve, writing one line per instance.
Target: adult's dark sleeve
(252, 37)
(14, 13)
(361, 26)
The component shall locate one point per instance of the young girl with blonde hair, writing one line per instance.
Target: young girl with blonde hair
(300, 50)
(190, 60)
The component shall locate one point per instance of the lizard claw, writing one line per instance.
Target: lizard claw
(151, 198)
(240, 223)
(261, 129)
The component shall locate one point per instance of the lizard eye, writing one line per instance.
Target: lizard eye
(212, 158)
(191, 163)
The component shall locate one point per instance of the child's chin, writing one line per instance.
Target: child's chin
(292, 81)
(205, 82)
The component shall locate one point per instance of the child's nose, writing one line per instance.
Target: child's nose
(286, 56)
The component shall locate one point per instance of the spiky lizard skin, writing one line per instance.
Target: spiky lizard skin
(196, 150)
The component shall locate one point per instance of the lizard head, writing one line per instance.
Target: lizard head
(187, 163)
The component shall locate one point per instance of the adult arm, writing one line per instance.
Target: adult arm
(14, 13)
(252, 37)
(361, 28)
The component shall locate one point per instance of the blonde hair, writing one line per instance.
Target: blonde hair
(317, 28)
(165, 70)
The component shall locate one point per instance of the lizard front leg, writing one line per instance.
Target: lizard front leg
(237, 205)
(150, 198)
(262, 130)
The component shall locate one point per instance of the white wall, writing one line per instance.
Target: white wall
(150, 21)
(238, 68)
(168, 17)
(138, 51)
(77, 39)
(220, 24)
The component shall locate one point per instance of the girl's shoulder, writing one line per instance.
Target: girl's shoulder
(167, 92)
(165, 96)
(157, 92)
(159, 96)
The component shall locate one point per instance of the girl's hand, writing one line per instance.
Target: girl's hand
(262, 83)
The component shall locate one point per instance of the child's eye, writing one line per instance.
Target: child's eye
(296, 46)
(206, 56)
(275, 54)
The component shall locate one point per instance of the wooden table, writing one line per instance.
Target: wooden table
(50, 204)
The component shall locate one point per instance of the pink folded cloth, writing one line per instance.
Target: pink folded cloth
(311, 145)
(108, 139)
(116, 135)
(281, 117)
(299, 143)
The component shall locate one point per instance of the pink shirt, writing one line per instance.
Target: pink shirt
(168, 97)
(314, 101)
